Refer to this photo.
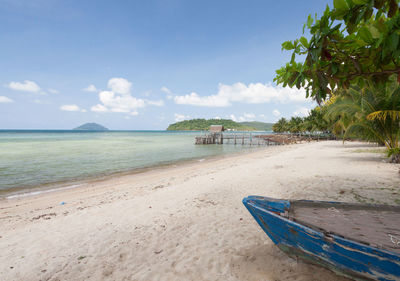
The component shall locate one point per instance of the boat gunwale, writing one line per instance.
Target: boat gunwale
(319, 231)
(345, 205)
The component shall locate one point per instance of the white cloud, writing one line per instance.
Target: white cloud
(4, 99)
(119, 86)
(301, 111)
(155, 102)
(233, 117)
(119, 99)
(27, 86)
(195, 99)
(248, 116)
(90, 88)
(253, 93)
(167, 91)
(180, 117)
(70, 107)
(245, 117)
(99, 108)
(217, 118)
(276, 113)
(120, 103)
(53, 91)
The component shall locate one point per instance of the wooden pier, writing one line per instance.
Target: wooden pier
(239, 138)
(252, 138)
(217, 135)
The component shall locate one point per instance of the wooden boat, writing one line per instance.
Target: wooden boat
(356, 240)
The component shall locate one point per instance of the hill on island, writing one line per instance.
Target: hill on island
(259, 126)
(203, 124)
(91, 127)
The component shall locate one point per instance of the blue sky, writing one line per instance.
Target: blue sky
(145, 64)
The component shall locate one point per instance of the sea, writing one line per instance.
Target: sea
(34, 160)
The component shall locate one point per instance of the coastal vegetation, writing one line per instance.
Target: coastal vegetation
(91, 127)
(204, 124)
(259, 126)
(351, 69)
(313, 123)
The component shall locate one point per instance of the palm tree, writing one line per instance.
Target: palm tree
(371, 113)
(295, 125)
(281, 126)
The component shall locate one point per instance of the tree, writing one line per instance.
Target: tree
(356, 42)
(295, 125)
(281, 126)
(318, 120)
(371, 113)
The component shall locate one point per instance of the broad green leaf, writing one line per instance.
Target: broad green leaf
(374, 32)
(393, 41)
(365, 35)
(288, 45)
(304, 41)
(360, 2)
(340, 4)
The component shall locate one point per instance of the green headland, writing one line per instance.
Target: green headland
(204, 124)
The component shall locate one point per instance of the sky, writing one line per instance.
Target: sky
(135, 65)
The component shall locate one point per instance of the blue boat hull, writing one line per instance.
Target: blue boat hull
(341, 255)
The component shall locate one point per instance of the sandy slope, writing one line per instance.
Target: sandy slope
(185, 222)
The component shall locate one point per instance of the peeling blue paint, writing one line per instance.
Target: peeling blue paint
(339, 254)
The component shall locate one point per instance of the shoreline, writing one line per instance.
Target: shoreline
(27, 191)
(186, 222)
(70, 184)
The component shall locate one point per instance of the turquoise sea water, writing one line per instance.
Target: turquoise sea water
(36, 158)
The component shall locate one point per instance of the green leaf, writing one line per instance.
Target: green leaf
(334, 68)
(374, 32)
(360, 2)
(288, 45)
(304, 41)
(309, 21)
(340, 5)
(365, 35)
(393, 41)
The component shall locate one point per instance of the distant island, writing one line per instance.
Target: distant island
(203, 124)
(259, 126)
(91, 127)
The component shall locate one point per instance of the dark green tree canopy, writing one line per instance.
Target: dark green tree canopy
(357, 41)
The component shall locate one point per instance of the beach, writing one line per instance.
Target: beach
(185, 221)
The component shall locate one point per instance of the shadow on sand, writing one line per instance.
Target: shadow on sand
(268, 262)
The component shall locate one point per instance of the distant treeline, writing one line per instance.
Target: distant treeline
(203, 124)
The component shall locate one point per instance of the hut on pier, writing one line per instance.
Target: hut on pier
(216, 129)
(216, 133)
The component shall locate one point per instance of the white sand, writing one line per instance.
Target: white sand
(185, 222)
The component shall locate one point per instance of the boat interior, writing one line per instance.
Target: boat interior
(374, 225)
